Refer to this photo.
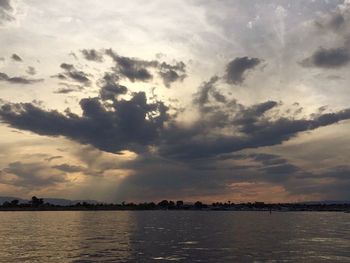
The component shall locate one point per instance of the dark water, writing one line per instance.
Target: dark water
(180, 236)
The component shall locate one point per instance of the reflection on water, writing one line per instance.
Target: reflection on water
(180, 236)
(64, 236)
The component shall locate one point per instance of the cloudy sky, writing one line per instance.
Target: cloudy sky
(194, 100)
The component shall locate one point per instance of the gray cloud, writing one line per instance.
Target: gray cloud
(334, 25)
(126, 125)
(328, 58)
(172, 73)
(31, 70)
(153, 175)
(65, 90)
(68, 88)
(34, 175)
(236, 69)
(138, 70)
(337, 21)
(173, 179)
(18, 80)
(51, 158)
(202, 97)
(209, 176)
(73, 74)
(267, 159)
(135, 124)
(17, 58)
(188, 159)
(6, 11)
(231, 126)
(333, 183)
(92, 55)
(132, 68)
(334, 21)
(110, 89)
(248, 117)
(69, 168)
(5, 4)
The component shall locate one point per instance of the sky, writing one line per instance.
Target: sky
(190, 100)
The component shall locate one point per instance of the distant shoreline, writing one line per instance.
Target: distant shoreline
(39, 204)
(68, 209)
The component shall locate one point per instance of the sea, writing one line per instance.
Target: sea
(174, 236)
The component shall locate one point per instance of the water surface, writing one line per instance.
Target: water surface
(179, 236)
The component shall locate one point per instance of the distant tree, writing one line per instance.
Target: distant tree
(164, 204)
(198, 205)
(179, 203)
(6, 204)
(14, 202)
(171, 205)
(37, 201)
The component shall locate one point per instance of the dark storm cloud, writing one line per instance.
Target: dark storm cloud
(110, 89)
(335, 25)
(132, 68)
(213, 106)
(328, 58)
(202, 97)
(31, 174)
(246, 127)
(341, 173)
(127, 125)
(332, 183)
(17, 58)
(18, 80)
(247, 117)
(133, 124)
(210, 177)
(153, 174)
(267, 159)
(73, 74)
(236, 69)
(187, 158)
(269, 168)
(207, 98)
(279, 172)
(139, 70)
(172, 73)
(92, 55)
(338, 172)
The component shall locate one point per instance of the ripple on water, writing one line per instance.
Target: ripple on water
(156, 236)
(169, 258)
